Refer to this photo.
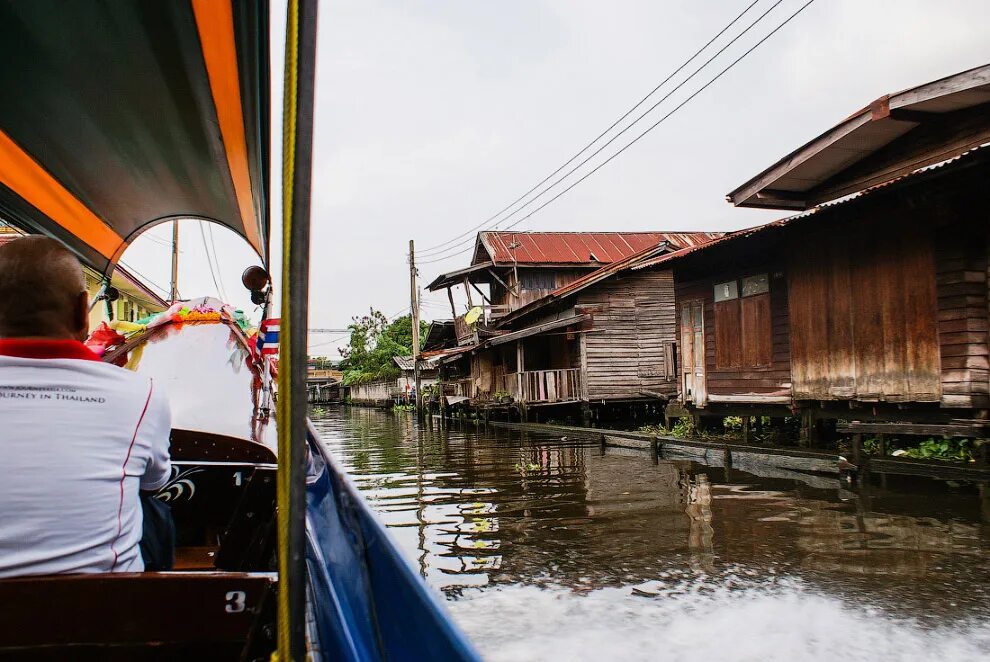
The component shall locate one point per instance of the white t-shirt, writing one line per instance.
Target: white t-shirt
(78, 438)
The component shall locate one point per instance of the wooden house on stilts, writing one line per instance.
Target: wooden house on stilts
(870, 307)
(559, 327)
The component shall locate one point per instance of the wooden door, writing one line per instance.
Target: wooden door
(693, 353)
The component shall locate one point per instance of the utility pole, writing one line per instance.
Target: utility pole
(174, 294)
(414, 309)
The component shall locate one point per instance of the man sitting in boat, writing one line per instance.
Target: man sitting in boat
(79, 437)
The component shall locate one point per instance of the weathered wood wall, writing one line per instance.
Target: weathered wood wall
(884, 299)
(963, 275)
(749, 381)
(863, 312)
(519, 297)
(625, 350)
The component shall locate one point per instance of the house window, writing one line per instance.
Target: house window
(726, 291)
(126, 311)
(537, 279)
(743, 328)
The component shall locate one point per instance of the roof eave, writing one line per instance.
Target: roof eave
(759, 191)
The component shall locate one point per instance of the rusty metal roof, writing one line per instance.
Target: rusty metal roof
(894, 135)
(648, 255)
(976, 155)
(577, 248)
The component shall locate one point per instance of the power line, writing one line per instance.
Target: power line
(216, 258)
(145, 278)
(434, 249)
(650, 128)
(209, 262)
(329, 342)
(674, 110)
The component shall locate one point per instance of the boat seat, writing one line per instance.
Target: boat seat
(129, 616)
(227, 508)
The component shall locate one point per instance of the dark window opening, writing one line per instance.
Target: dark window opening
(537, 280)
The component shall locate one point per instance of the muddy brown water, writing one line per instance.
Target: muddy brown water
(548, 548)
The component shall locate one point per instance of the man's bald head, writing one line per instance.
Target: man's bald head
(42, 291)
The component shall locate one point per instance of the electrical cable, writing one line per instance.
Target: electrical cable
(626, 128)
(643, 133)
(209, 262)
(674, 110)
(216, 259)
(431, 249)
(143, 277)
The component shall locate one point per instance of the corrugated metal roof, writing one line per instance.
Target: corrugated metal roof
(979, 153)
(897, 133)
(649, 254)
(584, 248)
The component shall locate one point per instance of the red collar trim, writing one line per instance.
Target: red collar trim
(41, 348)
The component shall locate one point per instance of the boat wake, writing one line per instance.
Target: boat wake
(688, 620)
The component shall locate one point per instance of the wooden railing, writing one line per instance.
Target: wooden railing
(544, 386)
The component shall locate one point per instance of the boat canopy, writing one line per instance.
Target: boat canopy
(119, 115)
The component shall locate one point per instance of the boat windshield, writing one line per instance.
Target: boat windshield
(209, 376)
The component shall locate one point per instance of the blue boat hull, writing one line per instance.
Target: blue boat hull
(366, 602)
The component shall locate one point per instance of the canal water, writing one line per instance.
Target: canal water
(549, 548)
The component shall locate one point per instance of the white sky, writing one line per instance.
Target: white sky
(434, 114)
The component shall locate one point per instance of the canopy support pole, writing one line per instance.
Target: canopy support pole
(297, 141)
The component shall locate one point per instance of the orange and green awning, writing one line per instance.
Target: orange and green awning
(119, 115)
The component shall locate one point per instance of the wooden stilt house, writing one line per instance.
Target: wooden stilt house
(872, 305)
(598, 338)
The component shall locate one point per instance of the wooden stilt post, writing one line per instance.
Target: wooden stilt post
(745, 429)
(857, 449)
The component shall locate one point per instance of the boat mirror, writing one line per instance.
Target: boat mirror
(255, 278)
(111, 294)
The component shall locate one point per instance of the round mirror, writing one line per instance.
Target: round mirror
(255, 278)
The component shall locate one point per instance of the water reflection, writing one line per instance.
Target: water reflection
(499, 508)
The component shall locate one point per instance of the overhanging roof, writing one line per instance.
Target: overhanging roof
(122, 279)
(439, 334)
(975, 159)
(457, 277)
(117, 116)
(893, 136)
(537, 329)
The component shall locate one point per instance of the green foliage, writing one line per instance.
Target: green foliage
(943, 449)
(733, 423)
(322, 363)
(374, 341)
(682, 428)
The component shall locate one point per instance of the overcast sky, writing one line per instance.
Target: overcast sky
(433, 115)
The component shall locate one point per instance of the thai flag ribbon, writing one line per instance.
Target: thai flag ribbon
(268, 337)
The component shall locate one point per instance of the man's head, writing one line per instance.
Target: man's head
(42, 291)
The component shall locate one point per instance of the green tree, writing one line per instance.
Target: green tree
(374, 341)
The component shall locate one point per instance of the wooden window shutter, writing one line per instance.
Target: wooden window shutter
(669, 360)
(757, 331)
(728, 344)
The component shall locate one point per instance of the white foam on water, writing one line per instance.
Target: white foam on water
(692, 621)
